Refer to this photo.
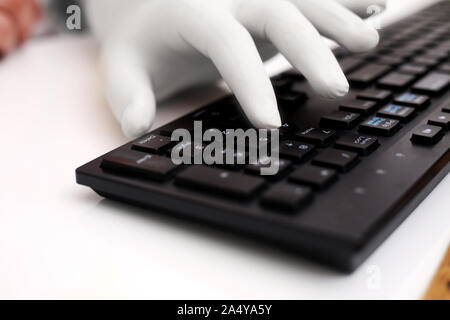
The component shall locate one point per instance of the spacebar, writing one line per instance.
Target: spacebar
(219, 181)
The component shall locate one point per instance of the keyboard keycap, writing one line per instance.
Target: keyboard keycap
(445, 68)
(319, 137)
(402, 113)
(440, 120)
(283, 167)
(287, 197)
(282, 83)
(359, 106)
(336, 159)
(313, 176)
(437, 54)
(339, 120)
(140, 164)
(401, 53)
(413, 69)
(389, 60)
(446, 109)
(295, 151)
(427, 135)
(184, 123)
(425, 61)
(368, 74)
(433, 83)
(291, 99)
(361, 144)
(380, 126)
(287, 130)
(350, 63)
(220, 182)
(193, 148)
(153, 143)
(375, 95)
(412, 100)
(239, 159)
(395, 81)
(222, 117)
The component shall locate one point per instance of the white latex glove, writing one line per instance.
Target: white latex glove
(154, 48)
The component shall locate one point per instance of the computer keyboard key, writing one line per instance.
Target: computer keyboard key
(317, 136)
(425, 61)
(440, 120)
(316, 177)
(287, 130)
(291, 99)
(287, 197)
(444, 68)
(368, 74)
(360, 144)
(222, 116)
(389, 60)
(349, 64)
(181, 148)
(282, 83)
(413, 69)
(139, 164)
(439, 54)
(427, 135)
(359, 106)
(446, 109)
(219, 181)
(283, 167)
(296, 151)
(402, 113)
(336, 159)
(412, 100)
(340, 120)
(401, 53)
(433, 83)
(375, 95)
(395, 81)
(153, 143)
(380, 126)
(238, 158)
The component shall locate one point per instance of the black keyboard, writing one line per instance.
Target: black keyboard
(350, 171)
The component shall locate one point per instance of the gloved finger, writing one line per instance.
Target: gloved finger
(295, 37)
(128, 89)
(363, 8)
(217, 35)
(338, 23)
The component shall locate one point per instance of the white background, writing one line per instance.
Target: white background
(61, 240)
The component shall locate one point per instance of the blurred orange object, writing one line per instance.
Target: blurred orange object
(17, 18)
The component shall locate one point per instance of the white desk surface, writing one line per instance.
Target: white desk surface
(61, 240)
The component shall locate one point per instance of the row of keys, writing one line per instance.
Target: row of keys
(296, 151)
(388, 118)
(379, 96)
(364, 74)
(375, 125)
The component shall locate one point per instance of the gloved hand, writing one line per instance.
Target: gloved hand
(154, 48)
(17, 18)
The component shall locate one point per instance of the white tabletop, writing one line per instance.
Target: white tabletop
(61, 240)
